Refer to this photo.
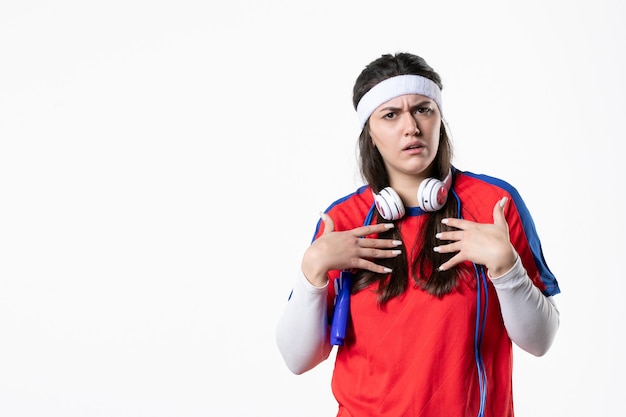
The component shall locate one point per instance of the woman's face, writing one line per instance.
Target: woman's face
(405, 130)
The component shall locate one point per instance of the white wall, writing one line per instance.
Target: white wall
(163, 163)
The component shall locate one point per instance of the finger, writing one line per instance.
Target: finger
(378, 243)
(449, 248)
(452, 262)
(379, 253)
(457, 223)
(452, 235)
(498, 213)
(329, 225)
(372, 229)
(371, 266)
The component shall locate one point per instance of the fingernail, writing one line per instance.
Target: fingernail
(438, 235)
(397, 242)
(503, 202)
(396, 252)
(444, 221)
(387, 270)
(441, 268)
(436, 248)
(389, 225)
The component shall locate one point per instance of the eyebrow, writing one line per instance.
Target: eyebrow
(418, 104)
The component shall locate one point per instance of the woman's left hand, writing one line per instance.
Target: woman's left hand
(480, 243)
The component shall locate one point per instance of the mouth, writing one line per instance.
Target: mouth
(413, 146)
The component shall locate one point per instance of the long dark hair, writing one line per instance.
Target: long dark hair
(426, 261)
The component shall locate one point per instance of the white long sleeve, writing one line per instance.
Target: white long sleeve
(530, 318)
(302, 331)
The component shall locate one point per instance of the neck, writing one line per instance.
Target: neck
(407, 189)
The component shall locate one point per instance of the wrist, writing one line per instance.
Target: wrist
(315, 277)
(316, 280)
(310, 267)
(502, 268)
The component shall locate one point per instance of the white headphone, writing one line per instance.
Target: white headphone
(431, 196)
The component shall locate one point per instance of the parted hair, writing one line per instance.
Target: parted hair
(425, 261)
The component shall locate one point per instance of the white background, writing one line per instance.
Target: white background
(163, 164)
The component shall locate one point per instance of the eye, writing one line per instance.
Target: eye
(423, 110)
(389, 115)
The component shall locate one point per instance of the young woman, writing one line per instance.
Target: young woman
(444, 268)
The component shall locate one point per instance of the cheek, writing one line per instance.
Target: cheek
(374, 138)
(379, 143)
(381, 137)
(435, 132)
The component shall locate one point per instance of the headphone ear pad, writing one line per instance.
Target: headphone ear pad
(432, 194)
(389, 204)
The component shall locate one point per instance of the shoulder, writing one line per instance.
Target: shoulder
(467, 179)
(485, 186)
(479, 193)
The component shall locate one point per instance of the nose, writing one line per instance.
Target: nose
(411, 127)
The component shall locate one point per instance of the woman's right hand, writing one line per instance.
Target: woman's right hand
(347, 250)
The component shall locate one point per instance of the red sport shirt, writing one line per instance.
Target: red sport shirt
(416, 356)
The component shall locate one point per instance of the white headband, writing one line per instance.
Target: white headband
(394, 87)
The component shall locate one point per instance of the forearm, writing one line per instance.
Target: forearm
(302, 332)
(530, 318)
